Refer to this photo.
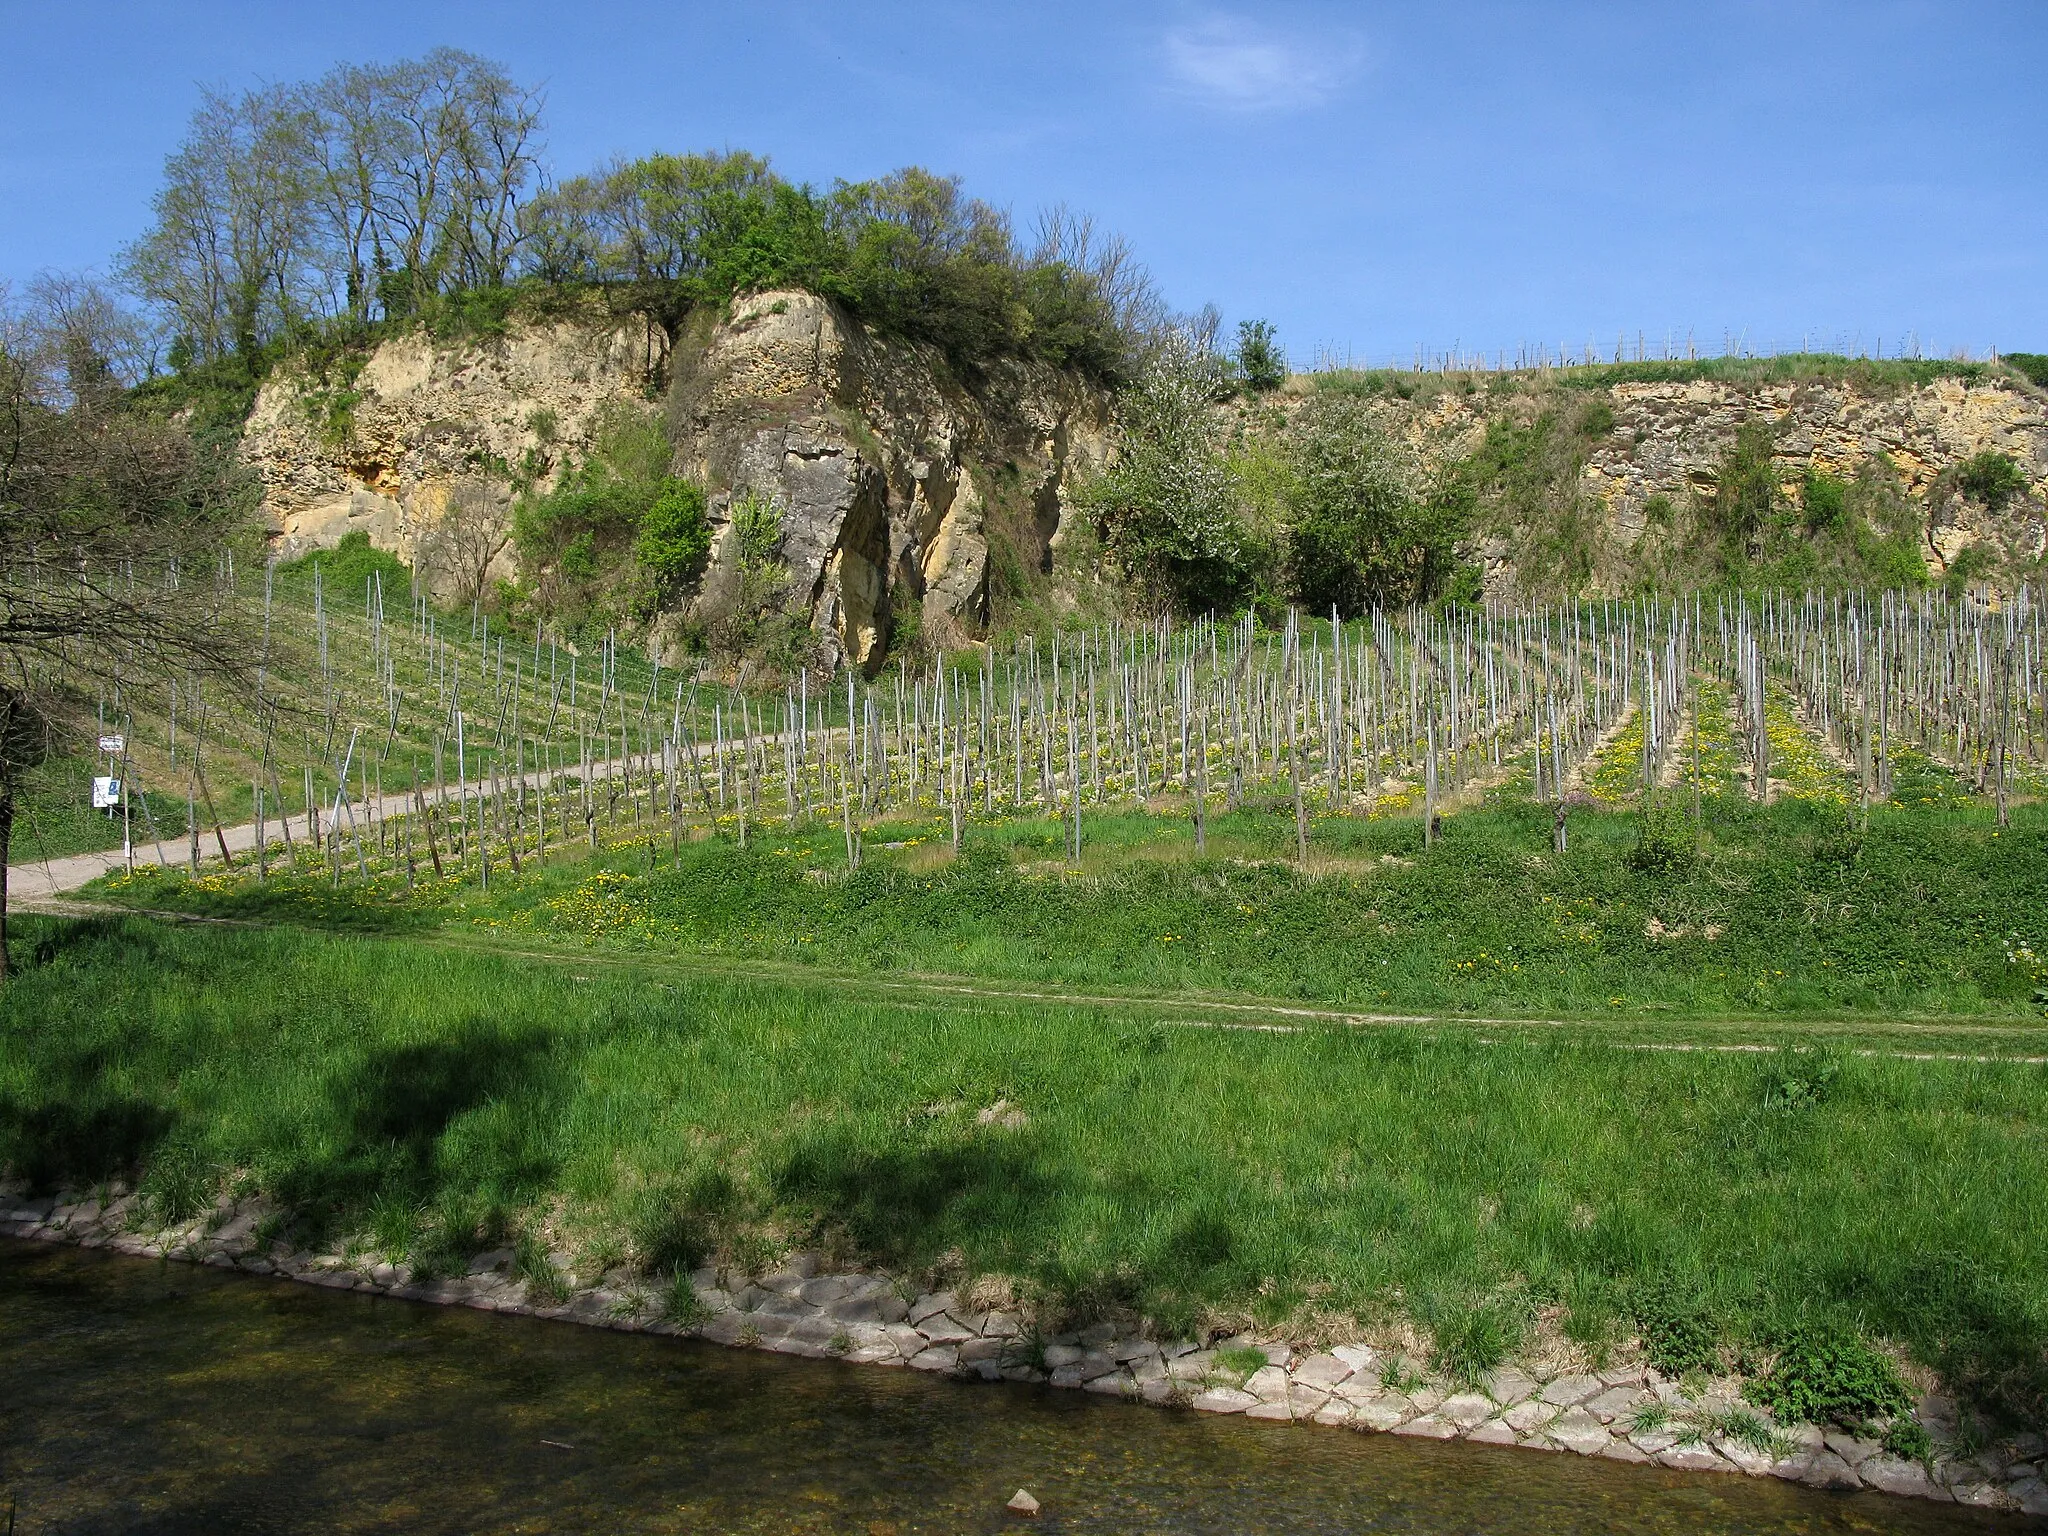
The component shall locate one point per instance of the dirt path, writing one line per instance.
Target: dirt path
(43, 879)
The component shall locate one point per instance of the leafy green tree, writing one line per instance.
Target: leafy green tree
(1260, 361)
(1165, 506)
(908, 252)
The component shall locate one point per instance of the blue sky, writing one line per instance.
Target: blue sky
(1373, 178)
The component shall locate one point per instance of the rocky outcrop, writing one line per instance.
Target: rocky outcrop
(891, 476)
(1668, 440)
(391, 443)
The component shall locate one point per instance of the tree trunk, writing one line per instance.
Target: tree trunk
(6, 843)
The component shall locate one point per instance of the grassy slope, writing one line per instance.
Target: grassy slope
(438, 1098)
(1788, 913)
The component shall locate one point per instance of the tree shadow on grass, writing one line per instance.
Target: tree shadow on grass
(394, 1112)
(907, 1201)
(298, 903)
(78, 1133)
(65, 1124)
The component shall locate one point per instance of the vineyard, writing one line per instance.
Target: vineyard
(384, 736)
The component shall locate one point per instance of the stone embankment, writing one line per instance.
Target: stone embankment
(1629, 1414)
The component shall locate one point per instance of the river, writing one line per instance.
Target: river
(145, 1397)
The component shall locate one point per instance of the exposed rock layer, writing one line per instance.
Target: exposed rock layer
(891, 474)
(900, 485)
(384, 451)
(888, 470)
(1669, 440)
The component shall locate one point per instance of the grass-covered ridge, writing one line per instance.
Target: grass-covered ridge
(1868, 374)
(434, 1102)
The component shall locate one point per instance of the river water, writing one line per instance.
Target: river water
(146, 1397)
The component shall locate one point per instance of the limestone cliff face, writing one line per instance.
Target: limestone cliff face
(1669, 439)
(421, 422)
(891, 476)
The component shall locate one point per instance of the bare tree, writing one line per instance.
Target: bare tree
(364, 193)
(1070, 238)
(352, 147)
(105, 517)
(467, 150)
(230, 256)
(464, 542)
(98, 345)
(497, 144)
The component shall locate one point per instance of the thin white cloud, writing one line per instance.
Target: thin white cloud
(1230, 63)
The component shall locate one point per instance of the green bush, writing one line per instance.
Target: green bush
(1260, 362)
(1908, 1440)
(1746, 493)
(1970, 566)
(1241, 1363)
(1827, 1375)
(1824, 499)
(1363, 528)
(1166, 508)
(1992, 478)
(674, 538)
(617, 536)
(1679, 1334)
(347, 569)
(2033, 364)
(530, 1262)
(1665, 844)
(681, 1304)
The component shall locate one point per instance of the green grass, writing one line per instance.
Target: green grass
(1790, 912)
(448, 1099)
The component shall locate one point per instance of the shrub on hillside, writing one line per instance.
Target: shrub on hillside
(1260, 362)
(1363, 526)
(617, 536)
(1992, 478)
(674, 538)
(348, 568)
